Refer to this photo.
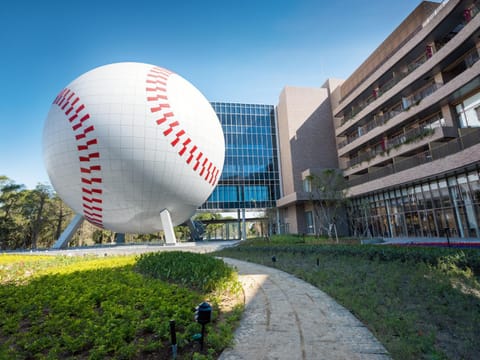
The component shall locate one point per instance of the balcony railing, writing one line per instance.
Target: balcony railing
(385, 87)
(412, 161)
(414, 99)
(408, 137)
(379, 120)
(411, 67)
(453, 146)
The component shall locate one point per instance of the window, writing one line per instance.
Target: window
(309, 222)
(468, 112)
(307, 185)
(250, 175)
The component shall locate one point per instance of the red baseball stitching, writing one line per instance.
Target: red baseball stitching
(68, 102)
(157, 95)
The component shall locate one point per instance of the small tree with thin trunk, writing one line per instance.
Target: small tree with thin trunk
(271, 214)
(328, 190)
(33, 208)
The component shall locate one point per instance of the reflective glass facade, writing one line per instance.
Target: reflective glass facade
(250, 177)
(445, 206)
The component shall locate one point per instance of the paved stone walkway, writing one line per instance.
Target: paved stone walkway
(287, 318)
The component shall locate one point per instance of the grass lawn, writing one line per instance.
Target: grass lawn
(421, 303)
(115, 307)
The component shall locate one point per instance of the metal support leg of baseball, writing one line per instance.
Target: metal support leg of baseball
(168, 227)
(119, 238)
(67, 234)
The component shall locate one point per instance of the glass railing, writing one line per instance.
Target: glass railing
(439, 152)
(471, 58)
(406, 138)
(385, 87)
(379, 120)
(415, 98)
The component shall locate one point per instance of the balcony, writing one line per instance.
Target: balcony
(398, 145)
(385, 87)
(415, 104)
(399, 75)
(456, 145)
(379, 120)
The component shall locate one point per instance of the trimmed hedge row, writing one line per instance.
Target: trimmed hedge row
(195, 271)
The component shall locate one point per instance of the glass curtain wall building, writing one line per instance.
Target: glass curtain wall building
(250, 178)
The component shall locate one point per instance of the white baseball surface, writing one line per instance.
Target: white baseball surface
(125, 141)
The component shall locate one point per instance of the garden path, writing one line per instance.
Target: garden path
(287, 318)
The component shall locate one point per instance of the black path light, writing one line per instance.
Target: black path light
(203, 315)
(173, 337)
(274, 259)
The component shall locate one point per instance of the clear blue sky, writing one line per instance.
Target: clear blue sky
(239, 51)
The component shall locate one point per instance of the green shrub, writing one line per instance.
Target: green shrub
(448, 257)
(93, 314)
(198, 272)
(102, 308)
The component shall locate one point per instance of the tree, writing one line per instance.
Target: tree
(210, 228)
(328, 198)
(143, 238)
(33, 210)
(182, 232)
(359, 219)
(30, 218)
(271, 214)
(10, 197)
(60, 212)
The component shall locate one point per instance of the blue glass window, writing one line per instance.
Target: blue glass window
(250, 177)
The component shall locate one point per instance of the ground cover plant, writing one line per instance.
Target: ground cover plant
(110, 307)
(421, 303)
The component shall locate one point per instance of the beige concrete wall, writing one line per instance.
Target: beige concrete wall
(306, 135)
(306, 141)
(334, 87)
(294, 216)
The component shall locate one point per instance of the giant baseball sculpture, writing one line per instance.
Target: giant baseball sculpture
(133, 148)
